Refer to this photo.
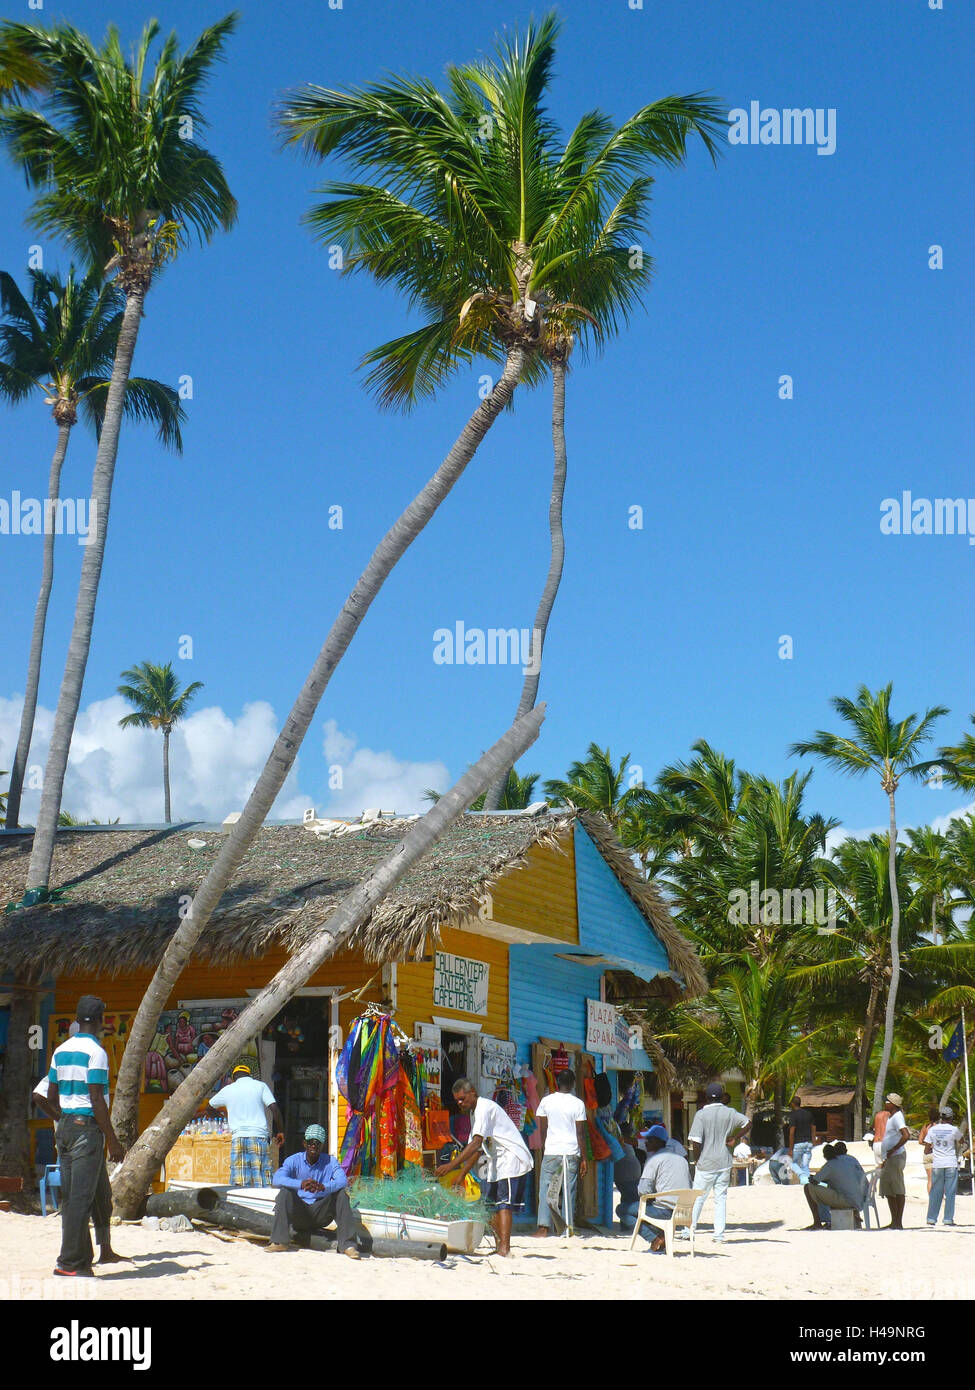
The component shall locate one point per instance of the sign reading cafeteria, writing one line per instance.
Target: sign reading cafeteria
(460, 983)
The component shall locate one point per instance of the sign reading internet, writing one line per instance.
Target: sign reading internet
(460, 983)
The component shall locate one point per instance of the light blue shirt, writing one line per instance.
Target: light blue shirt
(328, 1171)
(244, 1102)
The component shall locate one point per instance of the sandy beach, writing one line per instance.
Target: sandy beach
(765, 1255)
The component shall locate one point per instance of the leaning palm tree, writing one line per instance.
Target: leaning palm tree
(61, 342)
(121, 178)
(159, 704)
(889, 750)
(451, 216)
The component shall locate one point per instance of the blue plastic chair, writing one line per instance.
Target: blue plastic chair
(51, 1181)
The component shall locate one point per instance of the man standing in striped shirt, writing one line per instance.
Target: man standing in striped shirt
(79, 1071)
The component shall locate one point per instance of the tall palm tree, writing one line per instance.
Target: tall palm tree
(597, 784)
(889, 750)
(159, 704)
(438, 220)
(121, 180)
(61, 342)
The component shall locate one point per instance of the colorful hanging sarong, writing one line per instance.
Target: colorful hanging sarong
(366, 1075)
(409, 1088)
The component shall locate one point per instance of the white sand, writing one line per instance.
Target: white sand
(765, 1255)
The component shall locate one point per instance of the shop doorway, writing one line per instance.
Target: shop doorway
(458, 1057)
(300, 1070)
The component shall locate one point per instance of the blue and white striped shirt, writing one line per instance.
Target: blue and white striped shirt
(78, 1063)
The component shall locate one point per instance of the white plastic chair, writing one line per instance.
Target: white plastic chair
(871, 1200)
(681, 1218)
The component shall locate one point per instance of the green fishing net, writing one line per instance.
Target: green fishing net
(416, 1193)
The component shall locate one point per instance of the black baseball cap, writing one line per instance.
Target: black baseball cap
(714, 1091)
(90, 1007)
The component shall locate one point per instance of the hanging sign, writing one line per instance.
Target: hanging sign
(600, 1027)
(460, 983)
(622, 1031)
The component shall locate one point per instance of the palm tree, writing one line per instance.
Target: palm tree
(597, 784)
(929, 862)
(20, 75)
(159, 704)
(494, 230)
(121, 179)
(423, 144)
(889, 750)
(62, 342)
(960, 762)
(750, 1021)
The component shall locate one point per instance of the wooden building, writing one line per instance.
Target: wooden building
(488, 950)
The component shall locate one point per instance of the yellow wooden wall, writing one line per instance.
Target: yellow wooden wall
(414, 981)
(541, 897)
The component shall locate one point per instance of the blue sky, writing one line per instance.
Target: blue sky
(761, 515)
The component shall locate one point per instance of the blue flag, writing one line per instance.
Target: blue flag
(956, 1045)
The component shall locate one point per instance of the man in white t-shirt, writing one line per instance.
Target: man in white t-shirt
(894, 1160)
(561, 1118)
(941, 1142)
(504, 1156)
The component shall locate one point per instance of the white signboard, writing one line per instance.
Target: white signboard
(600, 1027)
(607, 1032)
(460, 983)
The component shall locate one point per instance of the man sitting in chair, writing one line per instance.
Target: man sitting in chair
(840, 1185)
(663, 1172)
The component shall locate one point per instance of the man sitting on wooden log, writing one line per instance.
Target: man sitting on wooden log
(314, 1194)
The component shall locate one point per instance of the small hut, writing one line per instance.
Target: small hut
(832, 1109)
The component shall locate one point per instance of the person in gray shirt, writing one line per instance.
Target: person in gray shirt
(840, 1185)
(663, 1172)
(714, 1125)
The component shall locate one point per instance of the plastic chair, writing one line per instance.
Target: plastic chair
(871, 1201)
(681, 1218)
(51, 1181)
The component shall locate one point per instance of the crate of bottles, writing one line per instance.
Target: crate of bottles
(201, 1154)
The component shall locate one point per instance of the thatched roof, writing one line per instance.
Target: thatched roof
(826, 1097)
(124, 889)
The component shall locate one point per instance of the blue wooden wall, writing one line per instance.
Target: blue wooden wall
(609, 919)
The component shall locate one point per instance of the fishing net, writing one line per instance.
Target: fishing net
(416, 1193)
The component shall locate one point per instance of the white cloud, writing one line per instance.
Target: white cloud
(376, 780)
(112, 772)
(214, 762)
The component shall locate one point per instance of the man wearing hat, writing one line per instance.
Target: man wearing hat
(314, 1194)
(78, 1077)
(714, 1124)
(663, 1172)
(894, 1160)
(246, 1101)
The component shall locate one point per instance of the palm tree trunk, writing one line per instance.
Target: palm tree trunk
(19, 770)
(168, 808)
(15, 1093)
(864, 1061)
(131, 1181)
(393, 545)
(895, 963)
(529, 690)
(42, 851)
